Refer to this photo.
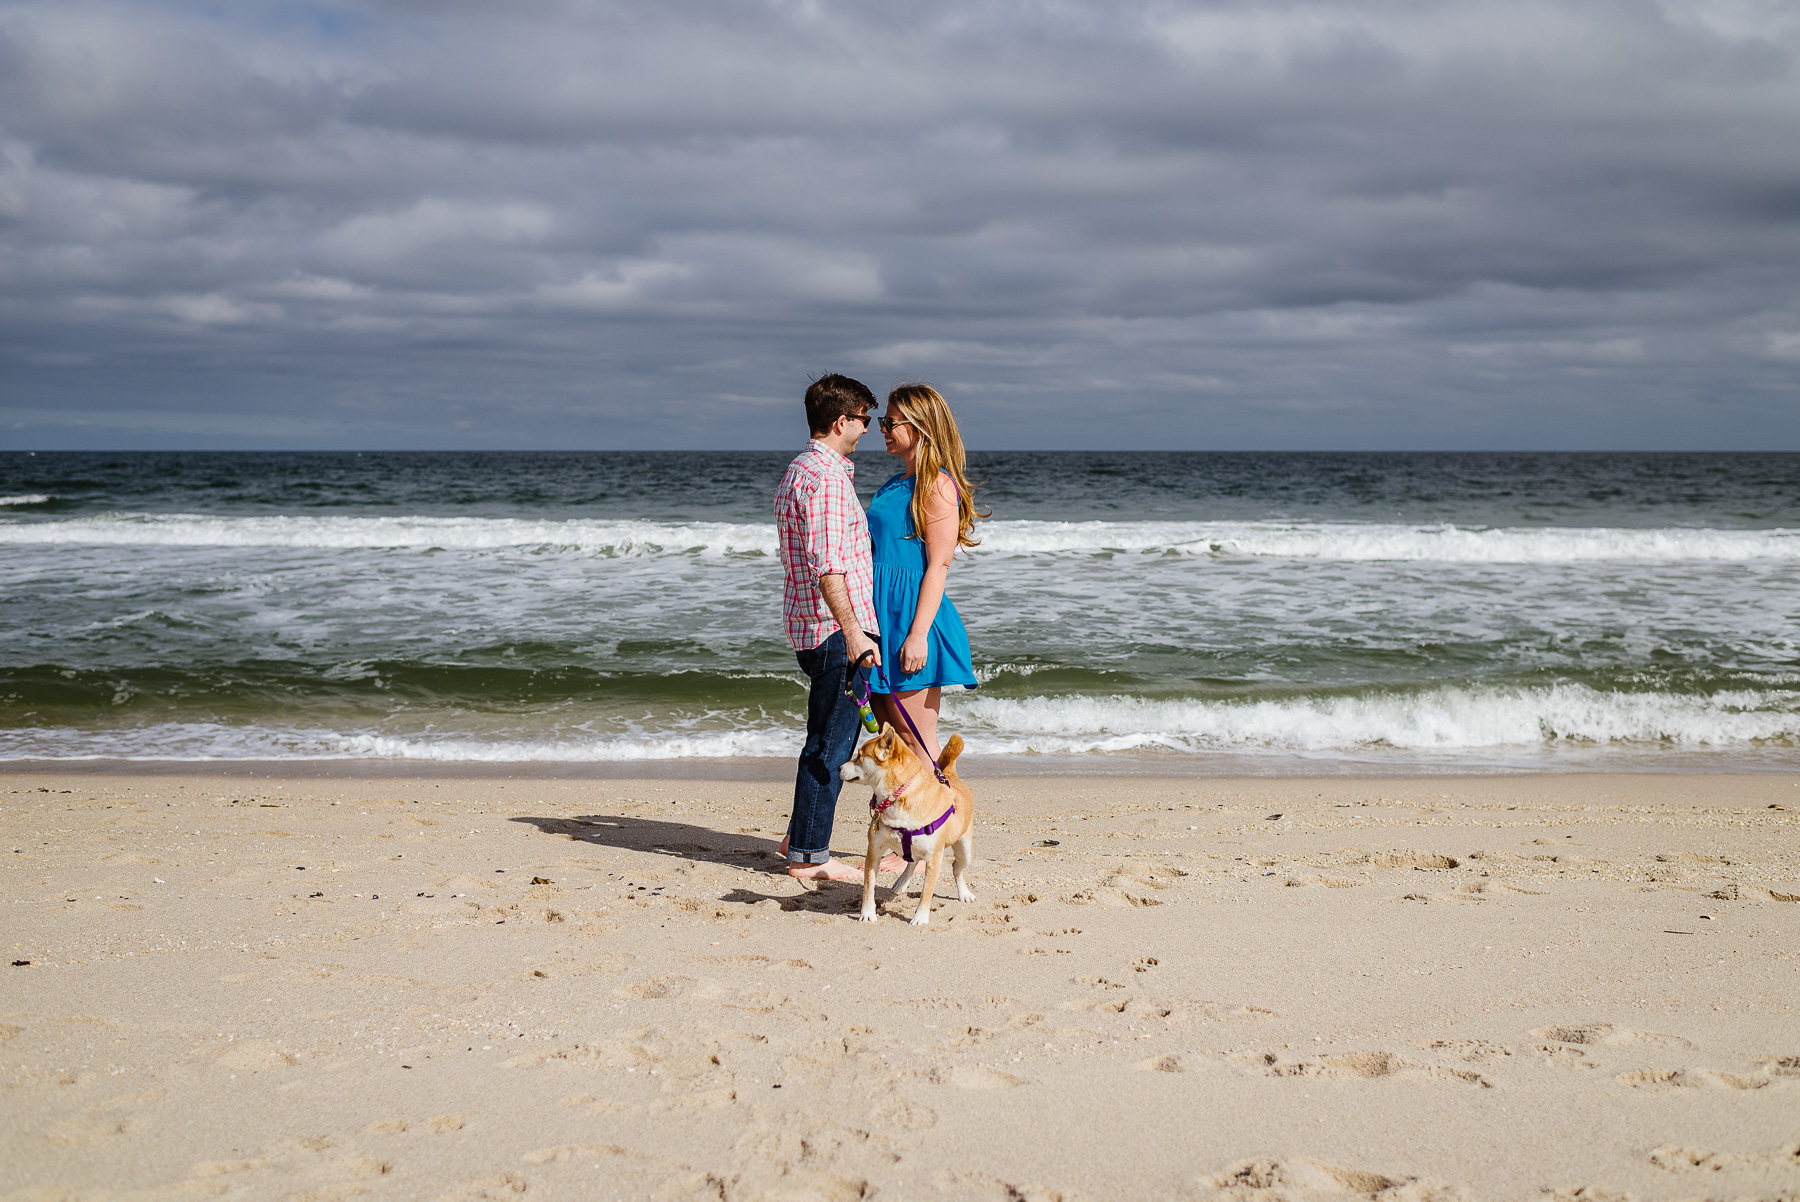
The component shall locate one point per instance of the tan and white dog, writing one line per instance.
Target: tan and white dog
(916, 814)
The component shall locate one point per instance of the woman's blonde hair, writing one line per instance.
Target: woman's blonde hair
(940, 449)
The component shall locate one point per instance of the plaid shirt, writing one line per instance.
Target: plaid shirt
(823, 531)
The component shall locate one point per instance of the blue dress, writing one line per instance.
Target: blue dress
(899, 570)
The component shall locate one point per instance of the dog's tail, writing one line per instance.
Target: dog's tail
(947, 758)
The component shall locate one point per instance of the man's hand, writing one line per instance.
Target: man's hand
(856, 643)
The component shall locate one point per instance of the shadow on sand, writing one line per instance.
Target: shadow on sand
(680, 840)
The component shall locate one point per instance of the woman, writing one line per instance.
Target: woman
(923, 644)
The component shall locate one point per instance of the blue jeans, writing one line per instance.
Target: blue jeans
(831, 726)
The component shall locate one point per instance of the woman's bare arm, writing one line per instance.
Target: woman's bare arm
(940, 546)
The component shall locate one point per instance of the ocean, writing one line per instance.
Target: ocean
(1129, 612)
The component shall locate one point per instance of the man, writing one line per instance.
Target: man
(827, 604)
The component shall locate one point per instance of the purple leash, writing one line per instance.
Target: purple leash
(901, 706)
(907, 836)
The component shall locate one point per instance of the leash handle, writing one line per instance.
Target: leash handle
(856, 687)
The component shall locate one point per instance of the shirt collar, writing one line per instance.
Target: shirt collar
(842, 461)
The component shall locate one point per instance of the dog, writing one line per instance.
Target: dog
(918, 811)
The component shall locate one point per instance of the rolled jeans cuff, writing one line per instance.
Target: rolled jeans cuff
(808, 857)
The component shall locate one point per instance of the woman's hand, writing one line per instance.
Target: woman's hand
(912, 653)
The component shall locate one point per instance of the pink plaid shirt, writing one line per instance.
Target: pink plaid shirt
(822, 531)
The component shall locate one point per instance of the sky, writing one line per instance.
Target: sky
(1370, 224)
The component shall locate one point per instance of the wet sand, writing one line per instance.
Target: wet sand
(1559, 987)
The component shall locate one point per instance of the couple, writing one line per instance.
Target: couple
(857, 585)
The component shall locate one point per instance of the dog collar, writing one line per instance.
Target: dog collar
(895, 795)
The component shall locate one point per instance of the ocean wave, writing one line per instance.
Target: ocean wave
(379, 533)
(31, 498)
(1446, 720)
(207, 741)
(1334, 542)
(1352, 542)
(1439, 724)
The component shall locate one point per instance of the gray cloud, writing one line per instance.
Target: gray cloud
(1389, 223)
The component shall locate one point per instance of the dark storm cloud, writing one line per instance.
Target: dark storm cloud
(1153, 224)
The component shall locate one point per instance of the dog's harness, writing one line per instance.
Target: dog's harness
(907, 836)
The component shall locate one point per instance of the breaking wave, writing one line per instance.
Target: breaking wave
(425, 533)
(1339, 542)
(1498, 722)
(1445, 720)
(205, 741)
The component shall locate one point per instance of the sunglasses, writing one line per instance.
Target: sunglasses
(888, 423)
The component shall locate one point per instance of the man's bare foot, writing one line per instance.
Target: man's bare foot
(830, 870)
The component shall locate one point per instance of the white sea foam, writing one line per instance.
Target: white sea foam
(1337, 542)
(194, 530)
(1449, 720)
(1443, 725)
(31, 498)
(207, 741)
(1344, 541)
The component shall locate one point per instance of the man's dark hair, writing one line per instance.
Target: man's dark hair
(831, 397)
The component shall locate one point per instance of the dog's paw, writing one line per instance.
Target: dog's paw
(867, 916)
(964, 893)
(921, 918)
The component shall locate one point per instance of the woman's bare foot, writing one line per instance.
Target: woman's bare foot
(890, 863)
(830, 870)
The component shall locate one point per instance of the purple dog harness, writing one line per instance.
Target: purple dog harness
(909, 835)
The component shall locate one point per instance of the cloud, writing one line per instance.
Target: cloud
(1381, 223)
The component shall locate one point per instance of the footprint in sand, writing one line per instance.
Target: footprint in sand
(898, 1114)
(564, 1153)
(1683, 1078)
(1675, 1159)
(1607, 1034)
(1659, 1078)
(1563, 1057)
(1175, 1062)
(657, 987)
(1367, 1065)
(488, 1189)
(977, 1077)
(1299, 1179)
(108, 1120)
(1477, 1051)
(254, 1055)
(1412, 859)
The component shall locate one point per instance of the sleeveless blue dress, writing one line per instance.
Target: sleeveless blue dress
(899, 570)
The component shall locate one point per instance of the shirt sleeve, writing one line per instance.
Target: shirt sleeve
(826, 534)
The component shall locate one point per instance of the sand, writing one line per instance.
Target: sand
(1569, 987)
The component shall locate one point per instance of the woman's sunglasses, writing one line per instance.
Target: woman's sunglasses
(888, 423)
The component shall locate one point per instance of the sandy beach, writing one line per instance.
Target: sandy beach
(1569, 987)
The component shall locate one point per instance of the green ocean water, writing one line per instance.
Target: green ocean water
(1393, 611)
